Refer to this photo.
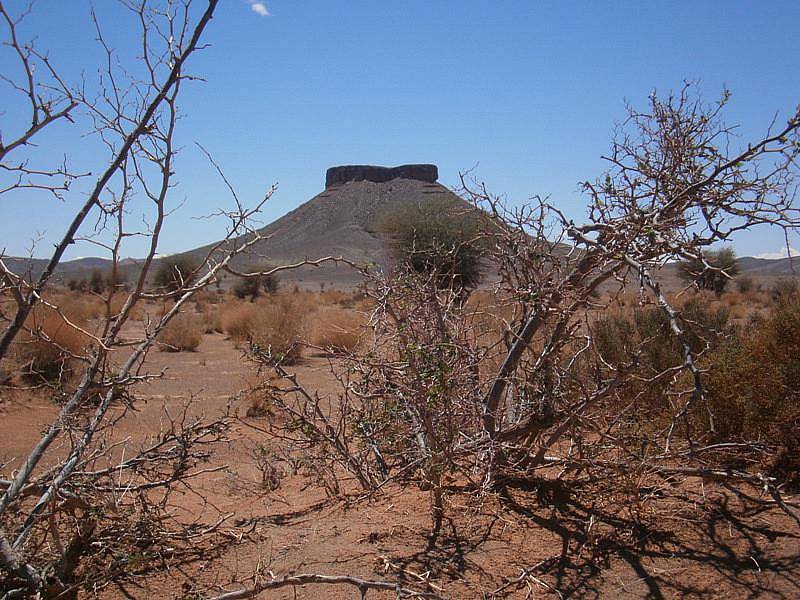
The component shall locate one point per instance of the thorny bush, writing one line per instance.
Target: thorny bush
(439, 397)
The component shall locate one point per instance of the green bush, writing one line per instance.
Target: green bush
(714, 279)
(438, 238)
(617, 335)
(173, 273)
(253, 286)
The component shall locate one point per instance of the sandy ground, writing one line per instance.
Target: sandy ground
(696, 541)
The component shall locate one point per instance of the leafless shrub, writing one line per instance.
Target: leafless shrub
(81, 509)
(624, 395)
(266, 461)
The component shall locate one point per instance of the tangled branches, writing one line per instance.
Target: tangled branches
(515, 383)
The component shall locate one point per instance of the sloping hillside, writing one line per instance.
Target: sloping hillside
(344, 220)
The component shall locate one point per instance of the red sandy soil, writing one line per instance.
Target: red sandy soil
(590, 541)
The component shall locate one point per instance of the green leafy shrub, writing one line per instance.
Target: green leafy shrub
(440, 239)
(723, 267)
(173, 273)
(253, 286)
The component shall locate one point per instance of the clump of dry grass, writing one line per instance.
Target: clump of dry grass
(118, 300)
(300, 304)
(274, 325)
(237, 319)
(49, 344)
(336, 329)
(277, 331)
(183, 332)
(211, 317)
(258, 405)
(79, 307)
(334, 296)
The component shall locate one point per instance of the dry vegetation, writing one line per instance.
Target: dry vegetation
(51, 343)
(335, 329)
(631, 427)
(183, 332)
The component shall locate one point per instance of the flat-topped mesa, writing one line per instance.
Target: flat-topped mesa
(340, 175)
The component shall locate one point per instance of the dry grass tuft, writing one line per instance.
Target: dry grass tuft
(334, 296)
(274, 325)
(337, 329)
(258, 404)
(119, 299)
(79, 307)
(237, 319)
(211, 317)
(49, 345)
(278, 331)
(184, 332)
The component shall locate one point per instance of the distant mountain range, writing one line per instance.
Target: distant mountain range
(344, 220)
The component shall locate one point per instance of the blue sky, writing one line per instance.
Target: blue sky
(527, 91)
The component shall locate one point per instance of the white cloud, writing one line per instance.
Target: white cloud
(259, 8)
(779, 254)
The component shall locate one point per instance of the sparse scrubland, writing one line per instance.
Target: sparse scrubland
(517, 406)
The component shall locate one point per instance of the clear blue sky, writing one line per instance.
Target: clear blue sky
(528, 91)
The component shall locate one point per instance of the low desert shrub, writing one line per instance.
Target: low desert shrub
(238, 319)
(616, 333)
(277, 331)
(745, 284)
(258, 404)
(273, 326)
(784, 288)
(266, 461)
(336, 329)
(753, 384)
(614, 337)
(643, 336)
(49, 345)
(184, 332)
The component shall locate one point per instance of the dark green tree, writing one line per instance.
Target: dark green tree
(254, 284)
(173, 273)
(269, 283)
(438, 237)
(97, 283)
(247, 286)
(713, 273)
